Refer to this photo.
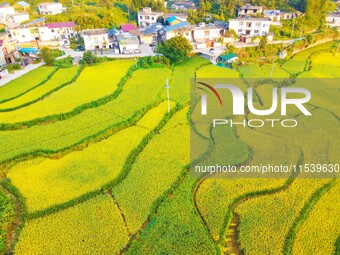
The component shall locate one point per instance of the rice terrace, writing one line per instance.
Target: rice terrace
(92, 162)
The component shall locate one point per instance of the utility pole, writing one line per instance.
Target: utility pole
(291, 35)
(167, 87)
(337, 50)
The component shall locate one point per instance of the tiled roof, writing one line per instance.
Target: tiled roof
(60, 24)
(153, 28)
(176, 26)
(23, 4)
(128, 27)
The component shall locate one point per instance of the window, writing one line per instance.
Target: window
(257, 24)
(256, 31)
(206, 33)
(52, 30)
(240, 23)
(263, 32)
(152, 18)
(141, 17)
(239, 31)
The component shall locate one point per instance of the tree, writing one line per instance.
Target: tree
(263, 42)
(176, 49)
(89, 58)
(47, 55)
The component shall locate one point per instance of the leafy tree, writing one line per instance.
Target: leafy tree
(47, 55)
(263, 42)
(89, 58)
(176, 49)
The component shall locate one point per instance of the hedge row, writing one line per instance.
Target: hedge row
(236, 201)
(100, 135)
(22, 211)
(289, 241)
(26, 91)
(81, 68)
(127, 166)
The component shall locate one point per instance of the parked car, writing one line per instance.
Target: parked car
(80, 48)
(137, 51)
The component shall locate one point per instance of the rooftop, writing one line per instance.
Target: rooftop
(4, 4)
(61, 24)
(251, 7)
(128, 27)
(250, 19)
(176, 26)
(23, 4)
(98, 31)
(178, 15)
(228, 56)
(155, 27)
(34, 22)
(271, 12)
(147, 10)
(49, 3)
(17, 14)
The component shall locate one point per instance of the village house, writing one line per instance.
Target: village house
(183, 6)
(183, 28)
(37, 30)
(8, 48)
(250, 26)
(95, 39)
(61, 30)
(178, 16)
(17, 18)
(5, 10)
(206, 36)
(147, 17)
(21, 6)
(128, 44)
(249, 10)
(273, 15)
(333, 20)
(50, 8)
(288, 15)
(149, 36)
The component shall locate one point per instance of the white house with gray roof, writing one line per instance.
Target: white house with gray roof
(250, 26)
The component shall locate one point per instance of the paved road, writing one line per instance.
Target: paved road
(19, 73)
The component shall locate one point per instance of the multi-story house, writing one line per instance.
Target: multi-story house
(21, 6)
(249, 10)
(8, 48)
(183, 28)
(95, 39)
(51, 8)
(61, 30)
(250, 26)
(147, 17)
(17, 18)
(5, 9)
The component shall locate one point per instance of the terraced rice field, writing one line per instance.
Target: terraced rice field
(92, 162)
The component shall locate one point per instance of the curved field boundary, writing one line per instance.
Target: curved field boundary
(74, 78)
(26, 91)
(127, 166)
(97, 137)
(75, 111)
(288, 245)
(20, 213)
